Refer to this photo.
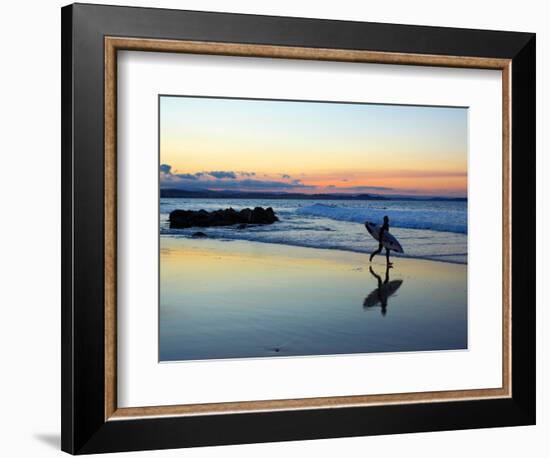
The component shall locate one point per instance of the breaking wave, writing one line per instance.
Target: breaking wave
(437, 219)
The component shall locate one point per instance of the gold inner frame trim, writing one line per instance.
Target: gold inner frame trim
(114, 44)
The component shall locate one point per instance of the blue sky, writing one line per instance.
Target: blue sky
(312, 147)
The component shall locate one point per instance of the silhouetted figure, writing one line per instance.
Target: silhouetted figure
(386, 288)
(385, 228)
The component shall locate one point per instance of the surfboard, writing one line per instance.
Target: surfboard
(389, 241)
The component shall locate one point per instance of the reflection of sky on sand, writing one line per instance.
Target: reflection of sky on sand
(231, 299)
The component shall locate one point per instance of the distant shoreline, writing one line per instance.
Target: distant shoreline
(208, 194)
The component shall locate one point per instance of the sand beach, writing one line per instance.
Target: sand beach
(237, 299)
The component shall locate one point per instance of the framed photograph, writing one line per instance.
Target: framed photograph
(284, 228)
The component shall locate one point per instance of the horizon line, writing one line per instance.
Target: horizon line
(340, 194)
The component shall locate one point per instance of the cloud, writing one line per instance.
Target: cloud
(365, 188)
(222, 174)
(186, 176)
(224, 180)
(227, 180)
(165, 168)
(431, 173)
(408, 173)
(267, 184)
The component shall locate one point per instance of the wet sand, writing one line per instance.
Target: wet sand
(237, 299)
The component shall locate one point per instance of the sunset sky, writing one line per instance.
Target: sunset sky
(312, 147)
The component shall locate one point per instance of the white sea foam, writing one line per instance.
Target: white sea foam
(426, 229)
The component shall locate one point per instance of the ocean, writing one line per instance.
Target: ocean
(427, 229)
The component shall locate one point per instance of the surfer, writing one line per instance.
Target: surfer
(383, 230)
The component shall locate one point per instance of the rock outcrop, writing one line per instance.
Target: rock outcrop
(181, 219)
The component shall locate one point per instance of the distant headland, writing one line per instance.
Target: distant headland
(210, 194)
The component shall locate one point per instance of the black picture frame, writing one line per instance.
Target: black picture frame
(84, 428)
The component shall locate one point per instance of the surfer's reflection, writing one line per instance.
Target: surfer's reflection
(379, 296)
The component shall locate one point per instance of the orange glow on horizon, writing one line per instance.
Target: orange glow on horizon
(311, 148)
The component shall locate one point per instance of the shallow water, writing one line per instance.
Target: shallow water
(237, 299)
(426, 229)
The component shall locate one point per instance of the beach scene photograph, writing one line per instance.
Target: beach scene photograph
(295, 228)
